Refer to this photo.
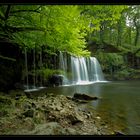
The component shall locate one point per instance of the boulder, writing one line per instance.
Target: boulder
(50, 128)
(28, 113)
(80, 96)
(5, 100)
(118, 133)
(56, 80)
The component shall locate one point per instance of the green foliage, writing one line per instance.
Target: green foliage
(70, 28)
(59, 27)
(46, 73)
(123, 74)
(110, 59)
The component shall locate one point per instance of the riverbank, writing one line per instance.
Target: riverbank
(49, 114)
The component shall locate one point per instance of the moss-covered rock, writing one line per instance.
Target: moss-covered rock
(5, 100)
(49, 115)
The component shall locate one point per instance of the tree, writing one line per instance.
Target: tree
(59, 27)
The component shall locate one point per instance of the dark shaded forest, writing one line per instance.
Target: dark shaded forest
(111, 33)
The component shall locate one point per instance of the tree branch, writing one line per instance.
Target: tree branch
(137, 51)
(1, 17)
(22, 29)
(17, 11)
(7, 12)
(7, 58)
(11, 29)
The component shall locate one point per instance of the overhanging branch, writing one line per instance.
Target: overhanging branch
(1, 17)
(18, 11)
(7, 12)
(7, 58)
(137, 51)
(21, 29)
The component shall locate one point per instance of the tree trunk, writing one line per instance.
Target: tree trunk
(130, 37)
(119, 34)
(137, 36)
(110, 34)
(102, 32)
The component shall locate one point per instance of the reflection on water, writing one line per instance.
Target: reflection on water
(119, 103)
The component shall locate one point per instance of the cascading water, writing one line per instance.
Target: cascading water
(79, 70)
(95, 70)
(63, 67)
(41, 77)
(26, 65)
(84, 70)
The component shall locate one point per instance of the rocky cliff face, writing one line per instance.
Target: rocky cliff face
(10, 65)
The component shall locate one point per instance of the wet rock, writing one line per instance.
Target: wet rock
(71, 131)
(17, 96)
(69, 97)
(75, 118)
(98, 117)
(28, 122)
(55, 115)
(28, 113)
(80, 101)
(55, 80)
(5, 100)
(58, 108)
(88, 115)
(3, 113)
(39, 117)
(84, 97)
(26, 106)
(51, 128)
(118, 133)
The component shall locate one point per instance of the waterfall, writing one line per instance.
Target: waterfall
(63, 66)
(79, 69)
(62, 62)
(84, 70)
(34, 68)
(96, 71)
(41, 68)
(41, 76)
(26, 70)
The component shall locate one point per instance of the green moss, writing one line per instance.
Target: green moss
(46, 73)
(5, 100)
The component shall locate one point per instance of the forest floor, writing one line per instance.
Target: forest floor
(49, 114)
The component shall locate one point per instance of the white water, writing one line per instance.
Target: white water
(34, 82)
(96, 70)
(79, 69)
(41, 77)
(63, 66)
(84, 70)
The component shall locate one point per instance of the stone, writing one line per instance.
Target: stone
(28, 113)
(5, 100)
(55, 80)
(71, 131)
(50, 128)
(84, 97)
(118, 133)
(98, 117)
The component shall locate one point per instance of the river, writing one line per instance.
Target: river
(119, 104)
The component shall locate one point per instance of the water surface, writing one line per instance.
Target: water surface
(119, 103)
